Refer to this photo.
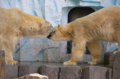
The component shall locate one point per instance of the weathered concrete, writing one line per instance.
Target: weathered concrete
(2, 64)
(114, 62)
(116, 66)
(75, 72)
(60, 72)
(51, 71)
(70, 72)
(11, 71)
(96, 72)
(27, 69)
(109, 58)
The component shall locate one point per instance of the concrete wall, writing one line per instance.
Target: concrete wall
(54, 11)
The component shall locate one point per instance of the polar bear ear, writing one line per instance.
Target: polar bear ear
(60, 29)
(58, 25)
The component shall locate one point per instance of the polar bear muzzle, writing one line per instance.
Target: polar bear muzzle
(51, 33)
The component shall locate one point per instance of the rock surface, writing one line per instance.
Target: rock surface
(27, 69)
(11, 71)
(33, 76)
(116, 66)
(96, 72)
(51, 71)
(2, 64)
(75, 72)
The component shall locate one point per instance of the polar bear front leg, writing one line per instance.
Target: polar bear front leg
(9, 49)
(95, 49)
(9, 58)
(78, 50)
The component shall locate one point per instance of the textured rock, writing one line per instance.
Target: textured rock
(116, 66)
(96, 72)
(51, 71)
(2, 64)
(2, 58)
(27, 69)
(11, 71)
(109, 58)
(61, 72)
(70, 72)
(75, 72)
(33, 76)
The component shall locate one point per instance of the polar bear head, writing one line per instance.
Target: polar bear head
(35, 27)
(61, 33)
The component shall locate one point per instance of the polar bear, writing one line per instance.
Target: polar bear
(102, 25)
(15, 23)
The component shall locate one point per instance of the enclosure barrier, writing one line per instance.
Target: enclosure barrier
(54, 71)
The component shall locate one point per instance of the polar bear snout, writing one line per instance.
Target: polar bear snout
(49, 35)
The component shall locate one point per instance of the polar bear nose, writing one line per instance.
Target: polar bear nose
(51, 32)
(49, 36)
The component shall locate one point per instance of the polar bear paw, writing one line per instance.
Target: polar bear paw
(69, 63)
(92, 62)
(12, 62)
